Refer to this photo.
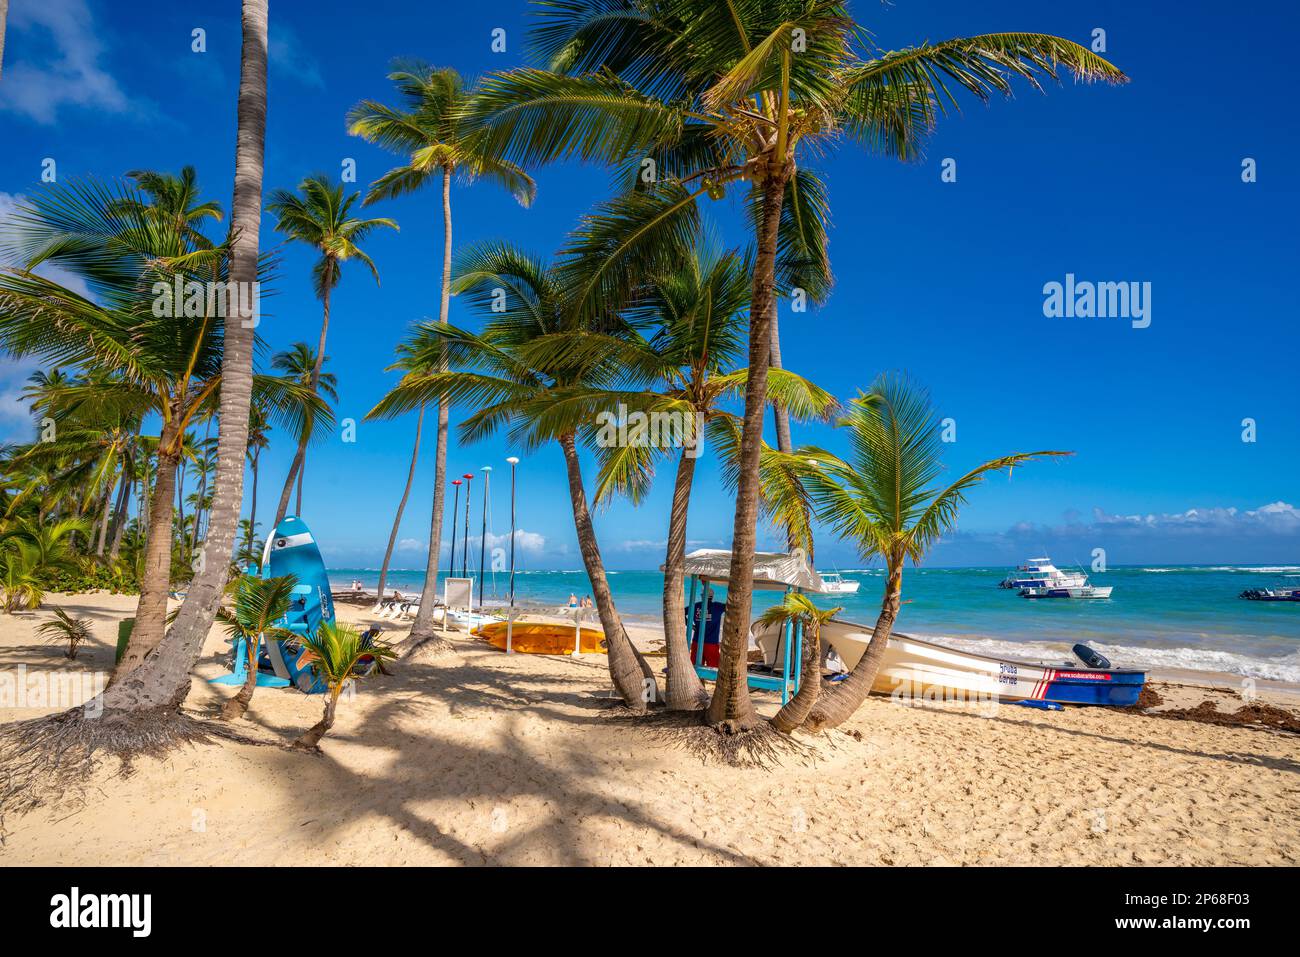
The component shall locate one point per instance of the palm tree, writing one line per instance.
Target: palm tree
(883, 498)
(318, 215)
(407, 361)
(138, 359)
(168, 682)
(20, 585)
(426, 129)
(4, 17)
(698, 314)
(301, 365)
(735, 92)
(800, 610)
(337, 652)
(258, 604)
(258, 441)
(514, 374)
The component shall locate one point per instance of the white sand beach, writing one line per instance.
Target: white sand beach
(494, 759)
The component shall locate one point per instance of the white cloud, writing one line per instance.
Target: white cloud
(71, 77)
(412, 545)
(1274, 517)
(285, 53)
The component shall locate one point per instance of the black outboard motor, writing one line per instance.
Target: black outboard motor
(1089, 657)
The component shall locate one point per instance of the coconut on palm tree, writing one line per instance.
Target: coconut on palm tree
(426, 129)
(886, 498)
(319, 215)
(697, 98)
(258, 603)
(338, 652)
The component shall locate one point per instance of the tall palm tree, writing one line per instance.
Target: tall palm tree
(883, 497)
(139, 359)
(4, 18)
(697, 312)
(258, 441)
(514, 375)
(300, 364)
(426, 129)
(736, 92)
(318, 215)
(167, 683)
(407, 361)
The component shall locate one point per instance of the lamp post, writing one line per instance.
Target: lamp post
(510, 619)
(455, 509)
(482, 540)
(464, 547)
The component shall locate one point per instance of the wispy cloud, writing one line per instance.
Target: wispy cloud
(37, 86)
(288, 57)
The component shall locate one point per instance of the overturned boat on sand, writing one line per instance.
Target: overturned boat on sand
(913, 669)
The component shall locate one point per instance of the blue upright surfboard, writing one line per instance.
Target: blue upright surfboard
(292, 550)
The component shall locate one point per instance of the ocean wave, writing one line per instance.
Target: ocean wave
(1285, 668)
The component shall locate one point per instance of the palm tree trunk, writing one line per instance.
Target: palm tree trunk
(165, 681)
(311, 737)
(401, 506)
(779, 412)
(297, 508)
(301, 454)
(237, 707)
(796, 710)
(422, 632)
(839, 702)
(252, 508)
(106, 511)
(119, 513)
(632, 677)
(731, 707)
(155, 580)
(683, 691)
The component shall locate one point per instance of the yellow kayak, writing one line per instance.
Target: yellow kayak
(538, 638)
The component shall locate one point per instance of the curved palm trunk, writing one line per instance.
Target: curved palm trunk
(119, 514)
(683, 690)
(795, 711)
(4, 16)
(252, 507)
(237, 707)
(839, 702)
(164, 681)
(401, 506)
(422, 630)
(311, 737)
(632, 677)
(301, 454)
(105, 512)
(779, 412)
(731, 707)
(155, 580)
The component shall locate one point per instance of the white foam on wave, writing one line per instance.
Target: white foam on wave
(1285, 668)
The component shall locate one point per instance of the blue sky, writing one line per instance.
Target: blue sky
(945, 280)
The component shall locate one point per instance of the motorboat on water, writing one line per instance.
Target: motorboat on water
(1271, 594)
(1041, 573)
(1079, 591)
(913, 669)
(833, 583)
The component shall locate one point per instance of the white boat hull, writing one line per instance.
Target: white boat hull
(921, 670)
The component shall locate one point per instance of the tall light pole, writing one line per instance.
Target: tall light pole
(510, 618)
(464, 548)
(455, 509)
(482, 540)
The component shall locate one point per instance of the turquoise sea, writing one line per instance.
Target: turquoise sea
(1160, 617)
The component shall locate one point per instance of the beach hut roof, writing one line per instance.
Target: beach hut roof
(771, 569)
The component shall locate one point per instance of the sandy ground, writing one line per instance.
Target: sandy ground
(514, 760)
